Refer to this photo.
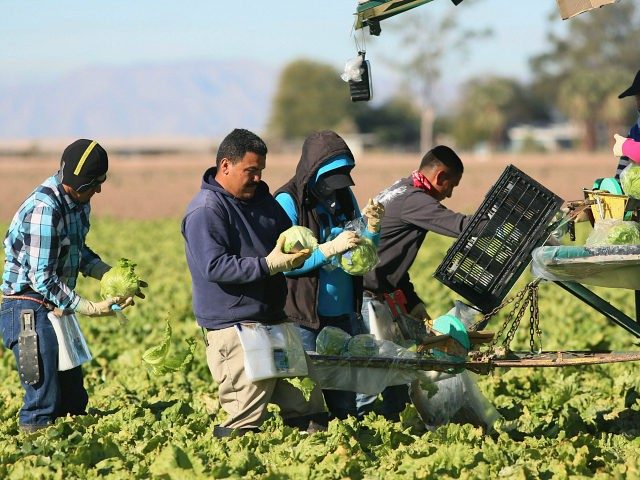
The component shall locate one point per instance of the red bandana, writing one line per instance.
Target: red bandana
(421, 182)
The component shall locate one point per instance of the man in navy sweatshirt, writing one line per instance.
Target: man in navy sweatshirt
(230, 229)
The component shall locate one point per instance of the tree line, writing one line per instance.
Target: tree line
(578, 78)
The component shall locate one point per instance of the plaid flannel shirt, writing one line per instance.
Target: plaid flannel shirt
(45, 245)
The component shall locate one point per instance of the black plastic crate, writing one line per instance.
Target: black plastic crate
(491, 253)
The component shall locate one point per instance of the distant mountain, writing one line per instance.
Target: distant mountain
(186, 99)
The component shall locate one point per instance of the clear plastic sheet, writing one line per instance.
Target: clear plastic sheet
(372, 380)
(615, 266)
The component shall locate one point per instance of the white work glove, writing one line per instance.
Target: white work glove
(617, 148)
(278, 261)
(420, 312)
(346, 240)
(373, 212)
(99, 309)
(99, 269)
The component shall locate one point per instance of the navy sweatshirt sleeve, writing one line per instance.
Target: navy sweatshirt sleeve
(208, 242)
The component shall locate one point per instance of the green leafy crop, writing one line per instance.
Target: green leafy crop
(332, 341)
(363, 345)
(120, 281)
(298, 238)
(361, 259)
(625, 233)
(630, 180)
(158, 356)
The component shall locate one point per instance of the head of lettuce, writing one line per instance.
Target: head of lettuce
(120, 281)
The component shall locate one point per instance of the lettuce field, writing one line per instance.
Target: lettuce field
(569, 423)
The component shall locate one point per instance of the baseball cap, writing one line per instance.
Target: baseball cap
(634, 89)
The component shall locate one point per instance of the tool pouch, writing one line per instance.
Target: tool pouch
(28, 347)
(410, 328)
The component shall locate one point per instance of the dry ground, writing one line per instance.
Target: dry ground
(161, 186)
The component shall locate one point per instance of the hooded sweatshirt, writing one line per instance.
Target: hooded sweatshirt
(226, 242)
(322, 152)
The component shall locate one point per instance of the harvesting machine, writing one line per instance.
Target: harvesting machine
(516, 223)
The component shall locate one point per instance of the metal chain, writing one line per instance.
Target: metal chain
(488, 316)
(514, 327)
(536, 317)
(518, 299)
(532, 331)
(527, 297)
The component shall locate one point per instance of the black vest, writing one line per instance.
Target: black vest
(302, 297)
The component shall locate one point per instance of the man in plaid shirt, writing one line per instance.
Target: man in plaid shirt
(44, 251)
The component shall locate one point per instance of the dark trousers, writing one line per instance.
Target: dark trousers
(57, 393)
(340, 403)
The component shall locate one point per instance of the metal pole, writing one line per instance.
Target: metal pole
(612, 313)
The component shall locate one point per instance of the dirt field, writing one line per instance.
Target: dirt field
(161, 186)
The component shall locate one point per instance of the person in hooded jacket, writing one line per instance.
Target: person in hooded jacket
(319, 197)
(627, 152)
(230, 229)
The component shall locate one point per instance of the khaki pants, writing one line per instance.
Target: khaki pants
(246, 401)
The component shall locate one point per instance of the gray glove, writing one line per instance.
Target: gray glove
(97, 309)
(343, 242)
(279, 262)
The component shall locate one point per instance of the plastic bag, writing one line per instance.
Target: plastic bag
(469, 315)
(353, 70)
(614, 232)
(364, 257)
(72, 347)
(272, 351)
(455, 395)
(630, 180)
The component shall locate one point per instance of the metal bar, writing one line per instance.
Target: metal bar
(599, 304)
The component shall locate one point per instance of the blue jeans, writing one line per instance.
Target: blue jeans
(57, 393)
(394, 398)
(340, 403)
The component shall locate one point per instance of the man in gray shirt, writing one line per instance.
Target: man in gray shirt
(413, 209)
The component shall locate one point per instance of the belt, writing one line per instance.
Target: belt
(44, 303)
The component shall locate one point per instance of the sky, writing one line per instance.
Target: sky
(40, 40)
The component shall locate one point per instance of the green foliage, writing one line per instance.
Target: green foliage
(160, 361)
(395, 123)
(120, 281)
(583, 71)
(310, 96)
(488, 106)
(574, 422)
